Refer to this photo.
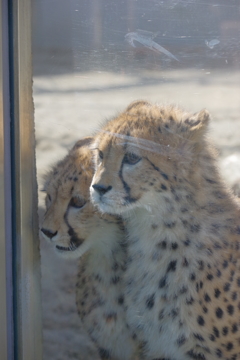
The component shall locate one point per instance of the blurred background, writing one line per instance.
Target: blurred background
(91, 58)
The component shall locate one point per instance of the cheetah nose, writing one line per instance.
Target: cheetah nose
(48, 233)
(101, 189)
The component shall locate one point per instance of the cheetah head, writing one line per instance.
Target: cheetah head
(138, 152)
(71, 223)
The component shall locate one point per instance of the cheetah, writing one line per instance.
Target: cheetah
(155, 166)
(77, 230)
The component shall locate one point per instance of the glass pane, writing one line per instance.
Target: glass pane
(91, 59)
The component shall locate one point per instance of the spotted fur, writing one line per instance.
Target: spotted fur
(155, 167)
(77, 230)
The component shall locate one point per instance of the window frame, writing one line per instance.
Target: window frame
(20, 312)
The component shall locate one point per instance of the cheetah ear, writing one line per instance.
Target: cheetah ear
(198, 124)
(136, 104)
(83, 142)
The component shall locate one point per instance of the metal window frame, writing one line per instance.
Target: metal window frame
(20, 297)
(6, 330)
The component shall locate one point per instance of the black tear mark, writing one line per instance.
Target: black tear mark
(73, 236)
(126, 187)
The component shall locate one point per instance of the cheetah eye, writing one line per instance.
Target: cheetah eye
(131, 159)
(77, 202)
(100, 154)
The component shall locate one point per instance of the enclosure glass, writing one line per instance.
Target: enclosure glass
(91, 58)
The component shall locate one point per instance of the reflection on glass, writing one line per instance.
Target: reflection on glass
(91, 59)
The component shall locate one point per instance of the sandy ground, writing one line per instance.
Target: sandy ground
(70, 106)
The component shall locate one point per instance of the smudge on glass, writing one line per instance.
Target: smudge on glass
(146, 39)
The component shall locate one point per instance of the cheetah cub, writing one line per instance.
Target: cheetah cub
(77, 230)
(156, 168)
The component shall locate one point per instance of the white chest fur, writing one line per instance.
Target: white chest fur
(162, 272)
(100, 299)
